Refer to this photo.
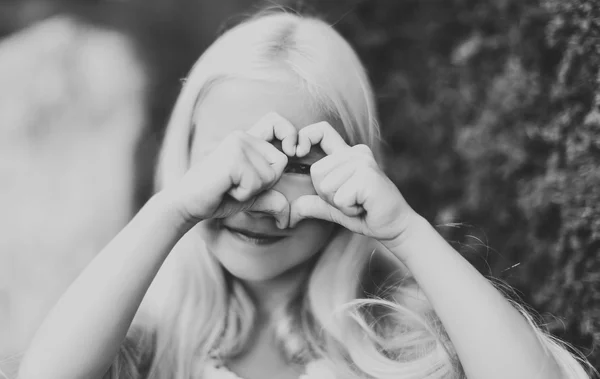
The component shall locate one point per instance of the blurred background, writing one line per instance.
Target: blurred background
(490, 110)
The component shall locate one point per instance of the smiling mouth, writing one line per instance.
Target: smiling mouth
(254, 238)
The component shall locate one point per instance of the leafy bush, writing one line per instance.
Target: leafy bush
(491, 110)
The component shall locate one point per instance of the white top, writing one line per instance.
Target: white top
(314, 370)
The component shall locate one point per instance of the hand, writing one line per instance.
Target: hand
(238, 175)
(352, 190)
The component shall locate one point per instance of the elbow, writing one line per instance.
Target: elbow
(34, 371)
(29, 372)
(39, 370)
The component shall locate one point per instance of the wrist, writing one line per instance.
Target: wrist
(166, 204)
(410, 241)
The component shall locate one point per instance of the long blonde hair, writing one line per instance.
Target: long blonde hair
(361, 325)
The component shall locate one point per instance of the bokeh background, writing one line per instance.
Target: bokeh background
(490, 110)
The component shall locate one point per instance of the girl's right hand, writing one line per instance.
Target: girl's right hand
(238, 175)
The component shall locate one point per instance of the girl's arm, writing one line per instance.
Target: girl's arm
(82, 334)
(492, 339)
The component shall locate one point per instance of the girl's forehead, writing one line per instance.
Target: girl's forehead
(238, 104)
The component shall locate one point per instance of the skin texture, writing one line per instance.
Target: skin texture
(237, 105)
(490, 337)
(273, 272)
(492, 341)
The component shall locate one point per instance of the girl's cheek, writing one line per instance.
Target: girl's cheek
(207, 229)
(292, 186)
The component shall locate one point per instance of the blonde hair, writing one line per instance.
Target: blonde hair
(361, 326)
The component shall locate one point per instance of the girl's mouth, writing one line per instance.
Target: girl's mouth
(254, 238)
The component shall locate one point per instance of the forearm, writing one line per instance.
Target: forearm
(492, 339)
(81, 335)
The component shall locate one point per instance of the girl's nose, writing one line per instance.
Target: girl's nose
(292, 186)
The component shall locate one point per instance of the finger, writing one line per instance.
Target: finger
(346, 198)
(322, 134)
(312, 206)
(270, 202)
(275, 204)
(326, 165)
(323, 167)
(275, 158)
(250, 177)
(273, 126)
(328, 184)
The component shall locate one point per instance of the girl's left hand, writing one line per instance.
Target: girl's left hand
(352, 190)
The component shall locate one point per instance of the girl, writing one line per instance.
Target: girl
(279, 246)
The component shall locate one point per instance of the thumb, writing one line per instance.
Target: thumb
(269, 201)
(273, 203)
(313, 206)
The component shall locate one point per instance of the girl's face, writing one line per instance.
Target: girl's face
(237, 105)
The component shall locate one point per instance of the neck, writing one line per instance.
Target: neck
(272, 294)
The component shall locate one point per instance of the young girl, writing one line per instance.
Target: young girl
(280, 248)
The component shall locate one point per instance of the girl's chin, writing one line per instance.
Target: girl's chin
(263, 272)
(253, 269)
